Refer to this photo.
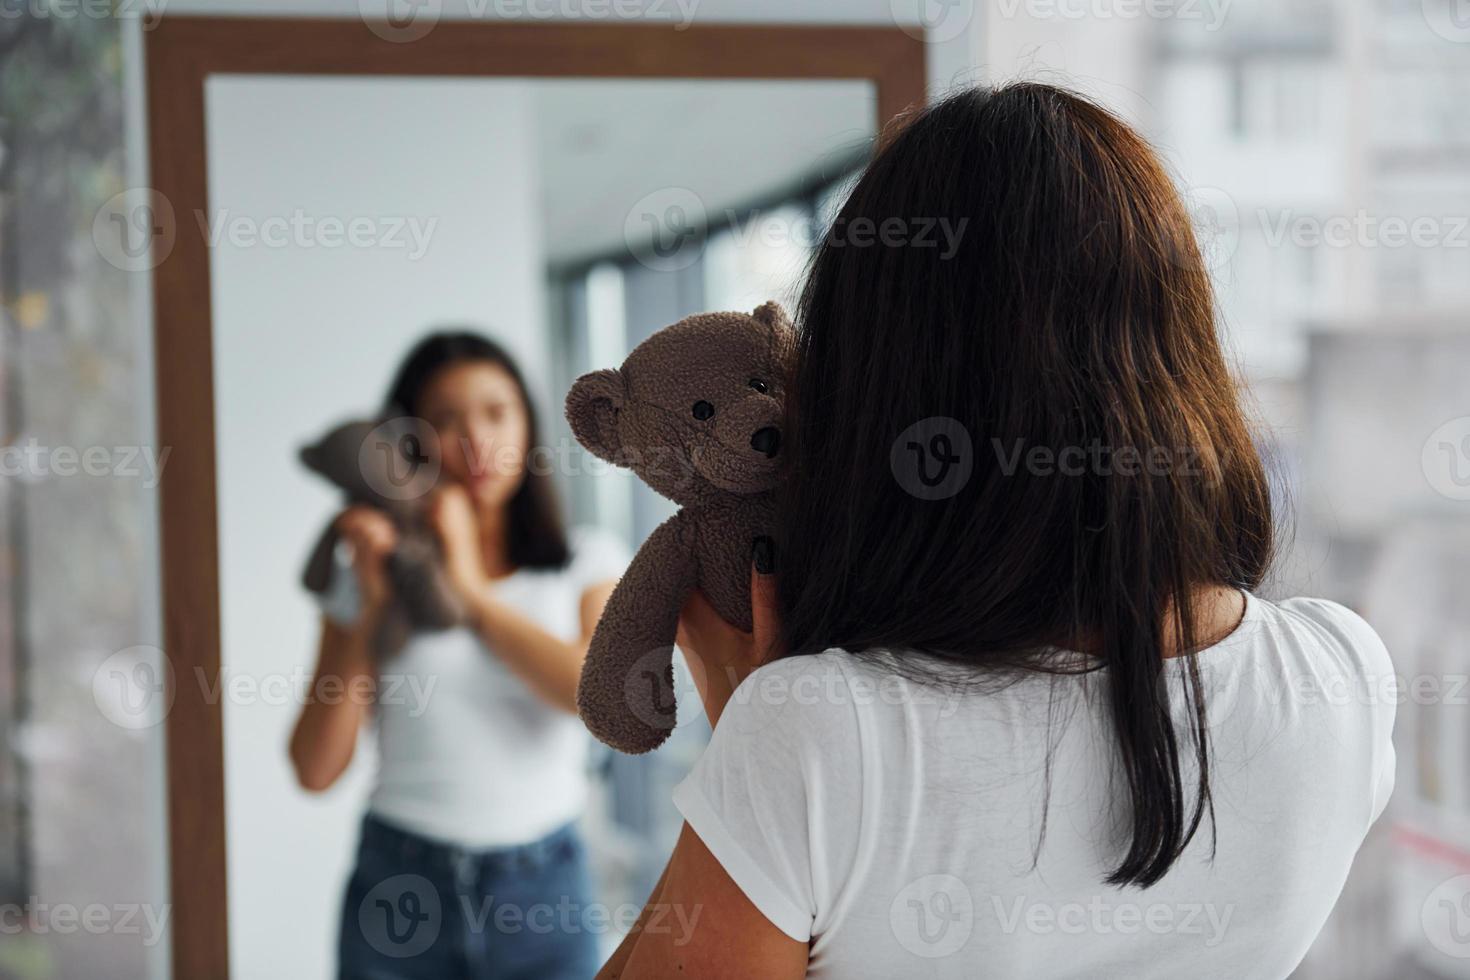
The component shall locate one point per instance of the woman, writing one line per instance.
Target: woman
(482, 758)
(1039, 725)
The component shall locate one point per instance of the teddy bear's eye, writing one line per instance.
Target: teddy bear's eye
(703, 410)
(759, 385)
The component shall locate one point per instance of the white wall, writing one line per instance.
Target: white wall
(305, 335)
(1048, 42)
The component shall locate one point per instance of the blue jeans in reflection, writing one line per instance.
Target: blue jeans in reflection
(422, 908)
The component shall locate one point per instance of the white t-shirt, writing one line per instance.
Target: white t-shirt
(894, 824)
(468, 753)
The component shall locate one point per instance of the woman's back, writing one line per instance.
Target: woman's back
(896, 823)
(1032, 441)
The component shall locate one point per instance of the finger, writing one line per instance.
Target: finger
(382, 526)
(446, 495)
(766, 626)
(381, 541)
(348, 523)
(370, 551)
(357, 522)
(355, 537)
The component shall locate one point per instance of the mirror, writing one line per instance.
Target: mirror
(564, 219)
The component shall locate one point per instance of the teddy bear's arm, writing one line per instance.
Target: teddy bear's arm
(626, 694)
(317, 575)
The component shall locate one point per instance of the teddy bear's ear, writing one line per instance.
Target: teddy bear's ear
(592, 410)
(773, 316)
(782, 332)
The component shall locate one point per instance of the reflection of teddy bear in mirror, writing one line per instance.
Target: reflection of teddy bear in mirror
(386, 465)
(696, 412)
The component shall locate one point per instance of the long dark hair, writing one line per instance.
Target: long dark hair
(535, 534)
(1072, 319)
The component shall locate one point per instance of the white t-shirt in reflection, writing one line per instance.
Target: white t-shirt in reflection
(468, 753)
(894, 825)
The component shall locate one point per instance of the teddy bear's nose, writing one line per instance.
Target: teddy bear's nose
(767, 440)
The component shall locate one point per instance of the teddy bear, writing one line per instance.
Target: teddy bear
(696, 412)
(386, 464)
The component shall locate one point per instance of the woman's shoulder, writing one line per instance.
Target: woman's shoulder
(832, 670)
(1329, 625)
(1333, 667)
(828, 695)
(808, 686)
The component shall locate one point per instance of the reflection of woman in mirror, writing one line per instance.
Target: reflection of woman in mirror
(1011, 707)
(482, 758)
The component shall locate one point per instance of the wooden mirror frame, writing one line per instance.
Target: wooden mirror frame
(181, 53)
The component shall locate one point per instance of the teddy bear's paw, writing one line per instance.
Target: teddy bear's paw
(633, 710)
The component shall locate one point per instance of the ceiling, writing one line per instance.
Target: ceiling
(609, 147)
